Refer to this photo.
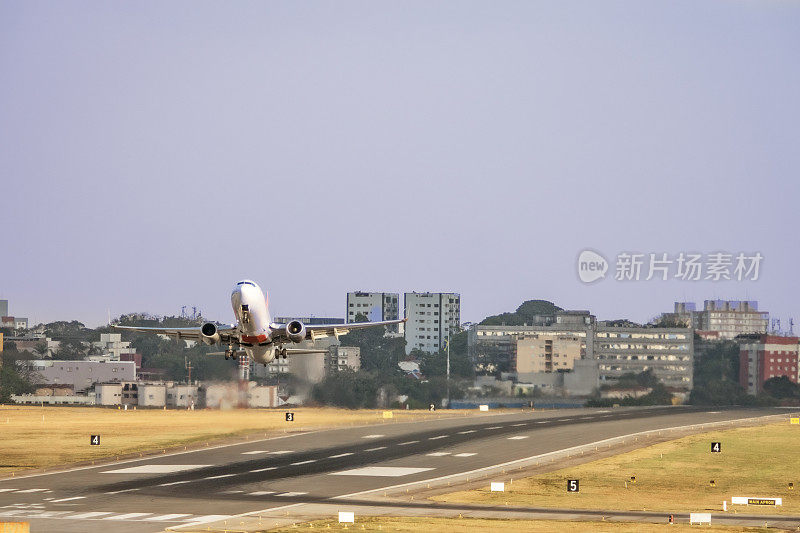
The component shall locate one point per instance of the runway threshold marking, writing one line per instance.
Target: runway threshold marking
(166, 517)
(127, 516)
(340, 455)
(94, 514)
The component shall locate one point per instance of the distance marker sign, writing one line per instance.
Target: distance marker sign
(94, 440)
(716, 447)
(573, 485)
(290, 417)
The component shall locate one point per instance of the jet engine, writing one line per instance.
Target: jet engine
(209, 333)
(296, 331)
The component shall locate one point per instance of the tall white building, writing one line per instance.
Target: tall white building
(376, 306)
(431, 317)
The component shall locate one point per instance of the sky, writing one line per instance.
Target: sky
(153, 153)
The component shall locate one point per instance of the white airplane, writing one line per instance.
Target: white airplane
(255, 334)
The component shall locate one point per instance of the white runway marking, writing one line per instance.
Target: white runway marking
(265, 469)
(375, 449)
(372, 436)
(340, 455)
(261, 493)
(439, 437)
(208, 518)
(466, 454)
(564, 419)
(80, 516)
(166, 517)
(254, 452)
(30, 490)
(68, 499)
(495, 427)
(7, 490)
(381, 471)
(121, 491)
(465, 432)
(542, 422)
(409, 442)
(290, 494)
(127, 516)
(219, 476)
(154, 469)
(304, 462)
(518, 437)
(517, 425)
(437, 454)
(280, 452)
(173, 483)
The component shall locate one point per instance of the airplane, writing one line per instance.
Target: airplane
(255, 334)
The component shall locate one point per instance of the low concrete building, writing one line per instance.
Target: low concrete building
(262, 396)
(70, 399)
(182, 396)
(152, 395)
(108, 393)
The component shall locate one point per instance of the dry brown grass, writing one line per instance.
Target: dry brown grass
(671, 476)
(479, 525)
(37, 437)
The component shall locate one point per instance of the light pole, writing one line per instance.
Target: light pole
(448, 368)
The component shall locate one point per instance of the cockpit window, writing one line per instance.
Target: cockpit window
(247, 283)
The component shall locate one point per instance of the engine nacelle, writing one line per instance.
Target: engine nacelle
(209, 333)
(296, 331)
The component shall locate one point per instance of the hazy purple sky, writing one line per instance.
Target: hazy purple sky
(152, 153)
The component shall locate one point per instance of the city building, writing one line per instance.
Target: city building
(762, 357)
(111, 344)
(341, 358)
(723, 319)
(10, 322)
(432, 316)
(152, 394)
(376, 306)
(668, 352)
(182, 396)
(80, 375)
(495, 349)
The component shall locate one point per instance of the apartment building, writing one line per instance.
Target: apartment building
(762, 357)
(376, 306)
(432, 316)
(722, 319)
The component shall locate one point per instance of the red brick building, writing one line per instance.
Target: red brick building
(762, 357)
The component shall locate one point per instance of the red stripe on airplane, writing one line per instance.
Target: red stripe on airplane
(254, 340)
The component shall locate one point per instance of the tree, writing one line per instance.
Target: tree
(525, 314)
(378, 352)
(716, 377)
(347, 388)
(781, 388)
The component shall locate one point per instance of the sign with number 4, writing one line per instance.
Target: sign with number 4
(716, 447)
(94, 440)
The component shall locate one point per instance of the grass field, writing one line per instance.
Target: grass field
(479, 525)
(37, 437)
(671, 476)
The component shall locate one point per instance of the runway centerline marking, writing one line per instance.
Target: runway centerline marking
(517, 425)
(70, 499)
(304, 462)
(439, 437)
(340, 455)
(264, 469)
(437, 454)
(219, 476)
(518, 437)
(280, 452)
(465, 454)
(542, 422)
(154, 469)
(290, 494)
(375, 449)
(381, 471)
(30, 490)
(494, 427)
(173, 483)
(254, 452)
(409, 442)
(468, 431)
(372, 436)
(261, 493)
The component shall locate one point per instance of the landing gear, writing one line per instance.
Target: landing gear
(280, 352)
(229, 352)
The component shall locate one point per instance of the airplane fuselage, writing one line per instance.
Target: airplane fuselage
(251, 308)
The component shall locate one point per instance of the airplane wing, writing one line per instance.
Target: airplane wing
(321, 331)
(226, 334)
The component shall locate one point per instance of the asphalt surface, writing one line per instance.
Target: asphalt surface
(218, 484)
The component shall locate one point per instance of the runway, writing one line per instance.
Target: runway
(221, 483)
